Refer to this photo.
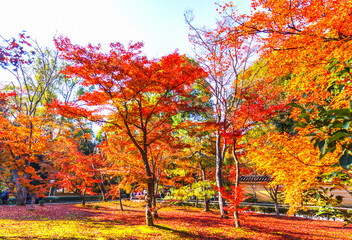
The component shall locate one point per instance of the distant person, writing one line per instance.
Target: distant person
(132, 195)
(5, 197)
(28, 199)
(139, 196)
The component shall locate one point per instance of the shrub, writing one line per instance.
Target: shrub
(41, 202)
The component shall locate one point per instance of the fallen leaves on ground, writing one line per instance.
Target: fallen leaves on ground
(59, 221)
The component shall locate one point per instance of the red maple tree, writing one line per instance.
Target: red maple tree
(132, 95)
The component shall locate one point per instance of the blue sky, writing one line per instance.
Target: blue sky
(158, 23)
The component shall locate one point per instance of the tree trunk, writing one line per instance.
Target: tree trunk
(83, 199)
(206, 200)
(54, 191)
(21, 195)
(83, 196)
(196, 203)
(237, 183)
(149, 206)
(21, 192)
(254, 191)
(154, 207)
(218, 174)
(102, 188)
(273, 191)
(206, 205)
(276, 208)
(156, 193)
(102, 191)
(33, 198)
(275, 199)
(121, 207)
(155, 212)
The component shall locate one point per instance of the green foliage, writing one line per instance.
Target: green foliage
(201, 189)
(322, 196)
(335, 124)
(328, 201)
(41, 202)
(250, 198)
(86, 145)
(344, 214)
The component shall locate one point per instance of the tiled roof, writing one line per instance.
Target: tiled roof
(255, 178)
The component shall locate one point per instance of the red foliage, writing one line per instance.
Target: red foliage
(13, 52)
(76, 171)
(235, 197)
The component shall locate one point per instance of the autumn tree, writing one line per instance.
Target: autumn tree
(135, 95)
(24, 142)
(193, 164)
(123, 163)
(307, 42)
(225, 62)
(292, 162)
(75, 170)
(13, 52)
(34, 80)
(34, 72)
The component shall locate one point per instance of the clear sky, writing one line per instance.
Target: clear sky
(158, 23)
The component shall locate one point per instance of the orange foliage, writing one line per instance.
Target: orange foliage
(23, 142)
(301, 39)
(132, 95)
(76, 172)
(292, 162)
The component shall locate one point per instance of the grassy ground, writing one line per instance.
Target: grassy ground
(59, 221)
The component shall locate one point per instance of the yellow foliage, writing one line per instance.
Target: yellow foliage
(292, 162)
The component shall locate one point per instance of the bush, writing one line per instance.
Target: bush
(251, 198)
(41, 202)
(58, 199)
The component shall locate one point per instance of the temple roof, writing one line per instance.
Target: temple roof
(255, 178)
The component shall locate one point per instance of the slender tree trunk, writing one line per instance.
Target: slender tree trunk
(206, 200)
(156, 193)
(83, 196)
(273, 191)
(254, 191)
(196, 202)
(102, 188)
(83, 199)
(218, 174)
(33, 198)
(102, 191)
(196, 198)
(100, 184)
(54, 191)
(237, 183)
(121, 207)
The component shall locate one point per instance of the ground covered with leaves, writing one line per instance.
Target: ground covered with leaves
(106, 221)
